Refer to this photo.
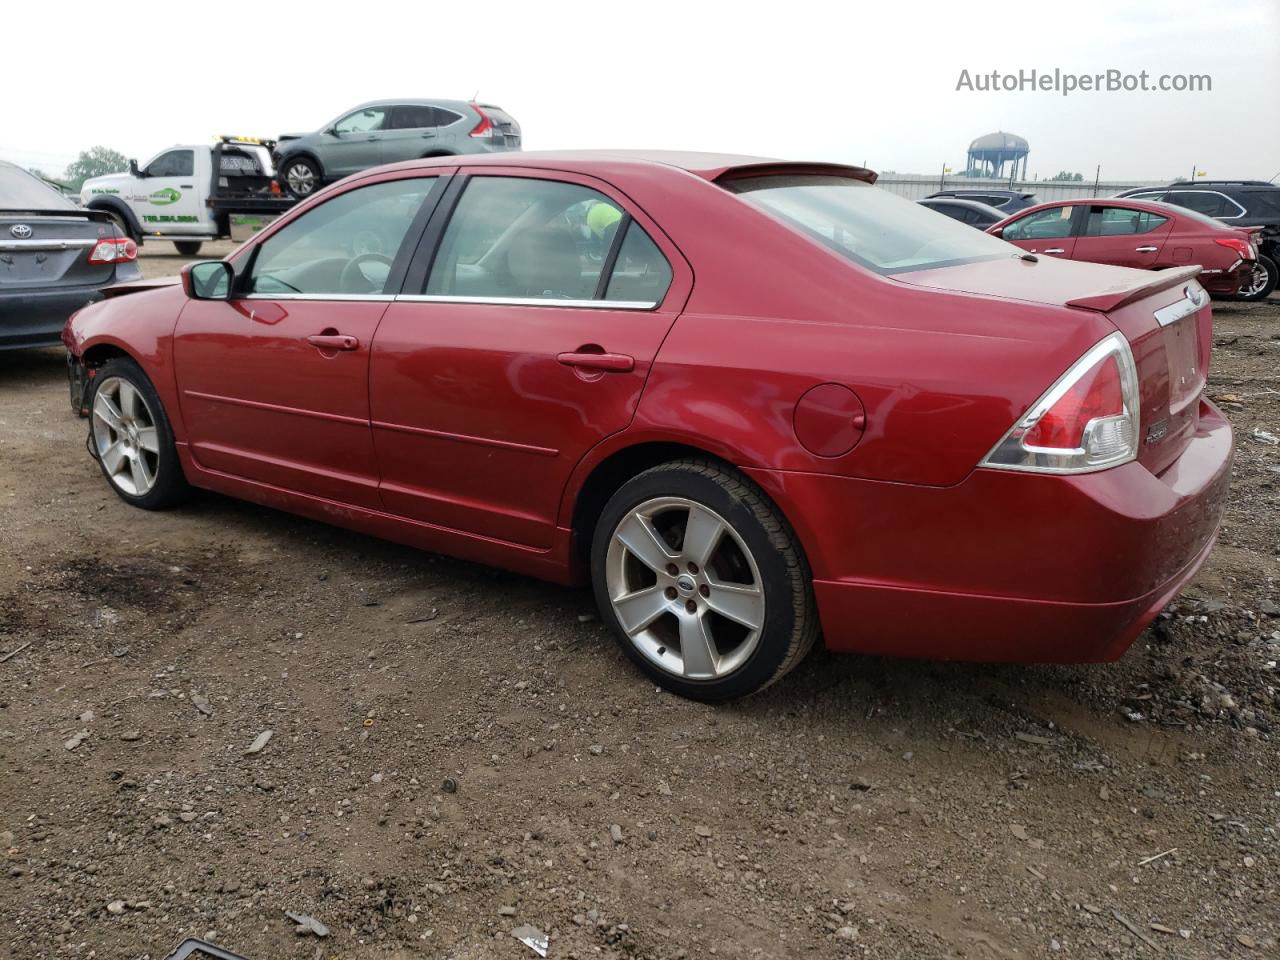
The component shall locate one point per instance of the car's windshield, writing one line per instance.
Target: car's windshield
(870, 226)
(19, 190)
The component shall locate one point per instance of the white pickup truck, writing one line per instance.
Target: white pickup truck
(187, 193)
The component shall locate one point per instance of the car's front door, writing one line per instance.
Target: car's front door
(354, 143)
(1048, 231)
(495, 374)
(1123, 236)
(167, 197)
(274, 384)
(411, 132)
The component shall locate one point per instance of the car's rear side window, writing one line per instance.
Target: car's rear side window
(524, 238)
(872, 227)
(1121, 221)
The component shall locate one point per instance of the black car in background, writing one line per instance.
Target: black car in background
(1237, 203)
(55, 257)
(975, 214)
(1006, 201)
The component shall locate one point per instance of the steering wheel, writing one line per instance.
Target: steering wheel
(355, 279)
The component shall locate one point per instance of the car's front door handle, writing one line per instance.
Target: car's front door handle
(333, 341)
(1055, 250)
(185, 186)
(608, 362)
(1146, 249)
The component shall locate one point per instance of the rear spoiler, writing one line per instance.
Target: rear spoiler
(1123, 293)
(139, 286)
(775, 168)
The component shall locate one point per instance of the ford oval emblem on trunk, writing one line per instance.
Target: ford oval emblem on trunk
(21, 231)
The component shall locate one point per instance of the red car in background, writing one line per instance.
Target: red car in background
(1135, 233)
(749, 401)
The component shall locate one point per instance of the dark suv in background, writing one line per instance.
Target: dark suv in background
(1237, 203)
(388, 131)
(1006, 201)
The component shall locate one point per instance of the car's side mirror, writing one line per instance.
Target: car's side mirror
(133, 168)
(996, 231)
(333, 132)
(208, 280)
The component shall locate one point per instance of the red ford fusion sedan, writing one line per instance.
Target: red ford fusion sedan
(1136, 233)
(751, 402)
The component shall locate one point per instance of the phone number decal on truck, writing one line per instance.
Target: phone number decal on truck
(168, 218)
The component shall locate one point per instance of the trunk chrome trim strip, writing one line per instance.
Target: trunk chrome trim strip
(18, 246)
(1194, 297)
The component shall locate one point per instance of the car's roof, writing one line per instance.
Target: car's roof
(992, 192)
(706, 165)
(966, 203)
(1150, 206)
(412, 102)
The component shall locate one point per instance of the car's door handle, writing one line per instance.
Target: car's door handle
(1053, 250)
(333, 341)
(185, 186)
(371, 139)
(609, 362)
(1146, 249)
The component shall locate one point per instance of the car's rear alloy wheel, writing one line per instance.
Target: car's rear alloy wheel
(131, 437)
(301, 177)
(1261, 280)
(702, 581)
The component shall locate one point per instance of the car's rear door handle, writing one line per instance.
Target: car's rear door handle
(609, 362)
(333, 341)
(1055, 250)
(1146, 249)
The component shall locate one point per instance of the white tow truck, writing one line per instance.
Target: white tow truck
(187, 193)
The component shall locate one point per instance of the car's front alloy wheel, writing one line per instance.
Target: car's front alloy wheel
(131, 438)
(702, 581)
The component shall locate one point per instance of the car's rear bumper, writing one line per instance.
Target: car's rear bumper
(1008, 566)
(1227, 281)
(34, 318)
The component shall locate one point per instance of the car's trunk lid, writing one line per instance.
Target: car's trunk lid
(51, 248)
(1164, 314)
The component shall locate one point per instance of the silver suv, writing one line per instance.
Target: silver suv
(386, 131)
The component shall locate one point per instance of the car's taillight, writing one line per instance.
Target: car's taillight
(114, 250)
(1086, 421)
(1241, 247)
(485, 127)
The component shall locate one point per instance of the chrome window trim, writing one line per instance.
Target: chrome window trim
(1193, 299)
(375, 297)
(530, 302)
(17, 246)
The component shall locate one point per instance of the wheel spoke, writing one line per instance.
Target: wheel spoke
(637, 610)
(697, 649)
(139, 471)
(106, 411)
(128, 400)
(112, 457)
(148, 439)
(702, 534)
(638, 535)
(741, 604)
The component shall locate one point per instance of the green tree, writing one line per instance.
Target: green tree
(1065, 175)
(95, 162)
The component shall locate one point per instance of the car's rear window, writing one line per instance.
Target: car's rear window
(872, 227)
(19, 190)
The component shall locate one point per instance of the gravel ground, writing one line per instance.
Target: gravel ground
(456, 752)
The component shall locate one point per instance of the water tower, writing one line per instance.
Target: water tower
(988, 156)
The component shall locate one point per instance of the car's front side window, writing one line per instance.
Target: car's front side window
(345, 246)
(370, 118)
(1051, 224)
(173, 163)
(524, 238)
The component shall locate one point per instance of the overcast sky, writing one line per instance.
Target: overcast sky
(800, 80)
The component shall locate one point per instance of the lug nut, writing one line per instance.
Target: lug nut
(672, 569)
(693, 568)
(691, 607)
(670, 592)
(704, 590)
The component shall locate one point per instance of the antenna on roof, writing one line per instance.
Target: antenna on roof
(475, 96)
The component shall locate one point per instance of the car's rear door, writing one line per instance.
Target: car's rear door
(1049, 231)
(411, 132)
(274, 384)
(1123, 236)
(494, 373)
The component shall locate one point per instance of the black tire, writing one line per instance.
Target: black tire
(188, 248)
(300, 186)
(790, 621)
(170, 484)
(1267, 286)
